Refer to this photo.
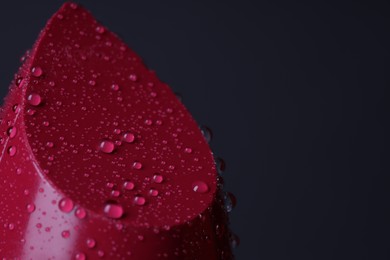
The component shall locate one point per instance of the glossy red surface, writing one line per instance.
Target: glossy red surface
(99, 159)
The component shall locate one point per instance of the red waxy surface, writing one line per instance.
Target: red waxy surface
(94, 147)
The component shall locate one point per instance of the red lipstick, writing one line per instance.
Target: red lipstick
(99, 159)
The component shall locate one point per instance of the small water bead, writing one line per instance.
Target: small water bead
(115, 87)
(80, 256)
(137, 165)
(30, 208)
(91, 243)
(200, 187)
(114, 211)
(73, 6)
(11, 150)
(230, 201)
(15, 108)
(234, 240)
(110, 185)
(139, 200)
(100, 253)
(220, 164)
(115, 193)
(157, 178)
(34, 99)
(65, 234)
(128, 185)
(148, 122)
(188, 150)
(207, 133)
(80, 213)
(153, 192)
(66, 205)
(128, 137)
(92, 82)
(30, 112)
(50, 144)
(100, 29)
(12, 131)
(36, 71)
(106, 146)
(11, 226)
(133, 77)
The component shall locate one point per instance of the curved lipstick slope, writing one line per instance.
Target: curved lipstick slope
(98, 158)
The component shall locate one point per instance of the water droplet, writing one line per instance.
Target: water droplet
(34, 99)
(50, 144)
(137, 165)
(11, 150)
(115, 193)
(73, 6)
(100, 253)
(200, 187)
(220, 164)
(66, 205)
(128, 185)
(15, 108)
(128, 137)
(188, 150)
(65, 234)
(148, 122)
(139, 200)
(207, 133)
(80, 213)
(106, 146)
(115, 87)
(153, 192)
(113, 210)
(234, 240)
(100, 29)
(133, 77)
(230, 201)
(30, 112)
(157, 178)
(91, 243)
(80, 256)
(30, 208)
(12, 131)
(92, 82)
(37, 71)
(11, 226)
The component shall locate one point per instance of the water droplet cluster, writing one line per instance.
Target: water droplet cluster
(108, 146)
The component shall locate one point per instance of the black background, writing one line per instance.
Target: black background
(295, 94)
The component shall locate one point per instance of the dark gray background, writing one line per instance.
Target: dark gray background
(295, 94)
